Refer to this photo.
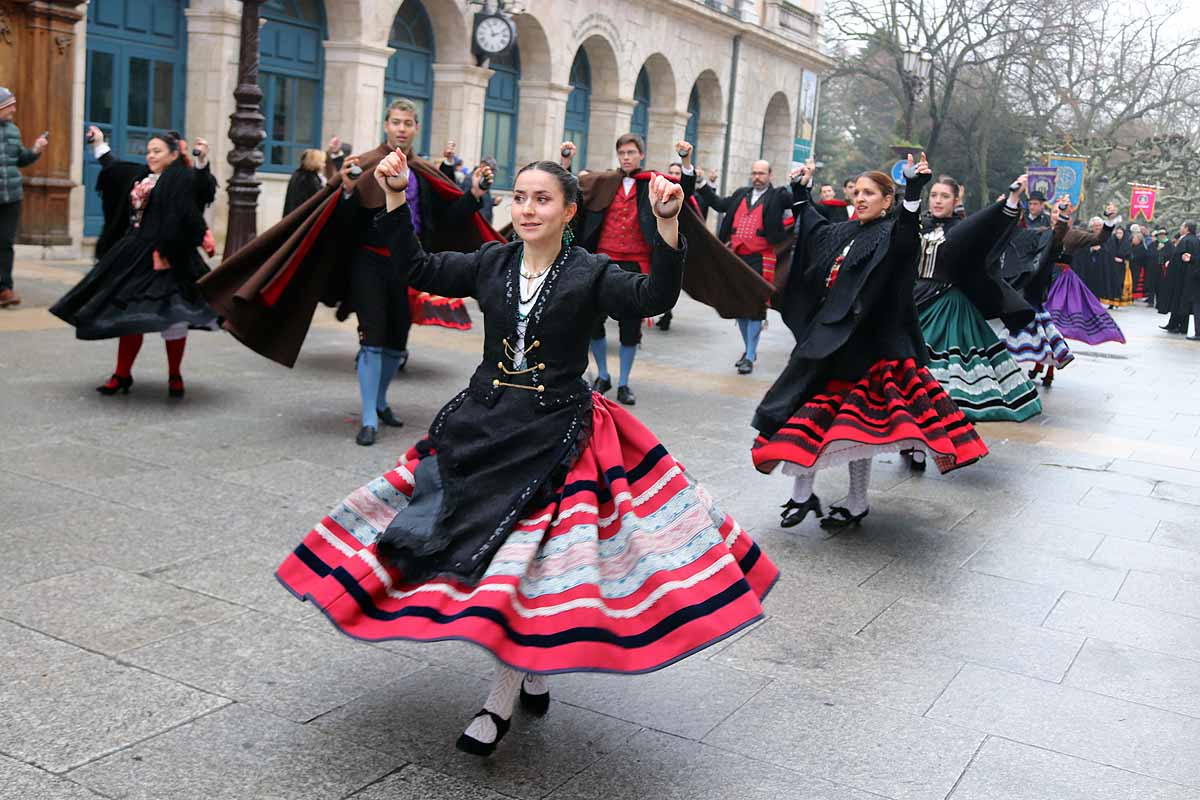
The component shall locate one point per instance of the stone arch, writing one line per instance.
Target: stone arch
(540, 115)
(662, 83)
(667, 113)
(606, 74)
(538, 61)
(451, 31)
(711, 125)
(777, 133)
(610, 111)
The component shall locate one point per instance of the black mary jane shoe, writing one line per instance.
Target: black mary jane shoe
(601, 385)
(625, 396)
(388, 418)
(536, 704)
(794, 513)
(910, 457)
(116, 384)
(366, 436)
(469, 744)
(175, 388)
(664, 322)
(840, 518)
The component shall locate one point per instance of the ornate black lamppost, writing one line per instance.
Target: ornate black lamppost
(247, 133)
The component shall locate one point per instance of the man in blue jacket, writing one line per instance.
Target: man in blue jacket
(13, 156)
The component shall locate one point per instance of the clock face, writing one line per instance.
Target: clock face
(493, 35)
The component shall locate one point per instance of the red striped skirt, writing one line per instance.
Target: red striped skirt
(432, 309)
(896, 406)
(631, 568)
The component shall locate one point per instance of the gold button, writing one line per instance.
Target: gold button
(500, 365)
(496, 383)
(537, 343)
(541, 366)
(541, 389)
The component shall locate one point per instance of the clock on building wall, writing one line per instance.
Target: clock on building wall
(494, 34)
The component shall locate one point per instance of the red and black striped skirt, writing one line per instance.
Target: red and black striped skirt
(896, 406)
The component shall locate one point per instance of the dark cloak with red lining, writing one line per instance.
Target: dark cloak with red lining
(267, 292)
(713, 275)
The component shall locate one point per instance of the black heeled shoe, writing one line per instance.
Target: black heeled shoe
(910, 456)
(116, 384)
(175, 386)
(469, 744)
(536, 704)
(794, 513)
(840, 518)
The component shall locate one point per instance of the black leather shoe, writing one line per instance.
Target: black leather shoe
(745, 366)
(388, 418)
(366, 436)
(1194, 338)
(471, 745)
(664, 322)
(116, 384)
(914, 463)
(601, 385)
(536, 704)
(400, 364)
(626, 396)
(840, 518)
(794, 513)
(175, 388)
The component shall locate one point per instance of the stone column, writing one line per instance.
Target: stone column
(353, 110)
(458, 93)
(662, 149)
(212, 31)
(609, 118)
(542, 116)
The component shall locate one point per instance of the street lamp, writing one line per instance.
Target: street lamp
(915, 64)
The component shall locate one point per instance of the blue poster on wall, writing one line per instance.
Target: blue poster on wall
(1071, 172)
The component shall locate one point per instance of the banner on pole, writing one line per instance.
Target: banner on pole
(1042, 179)
(1141, 201)
(1070, 172)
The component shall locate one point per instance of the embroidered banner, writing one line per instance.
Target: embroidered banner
(1042, 179)
(1141, 201)
(1069, 178)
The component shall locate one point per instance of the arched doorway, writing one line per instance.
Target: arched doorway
(692, 130)
(135, 85)
(500, 106)
(579, 103)
(777, 133)
(291, 74)
(640, 123)
(410, 69)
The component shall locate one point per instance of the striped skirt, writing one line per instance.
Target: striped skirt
(1039, 342)
(432, 309)
(896, 406)
(1078, 314)
(973, 364)
(631, 568)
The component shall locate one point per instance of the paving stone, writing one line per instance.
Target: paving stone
(108, 610)
(1174, 534)
(70, 463)
(925, 628)
(22, 782)
(418, 783)
(655, 766)
(1147, 557)
(235, 754)
(1146, 507)
(1177, 492)
(1005, 770)
(1155, 472)
(826, 602)
(857, 744)
(64, 706)
(418, 718)
(1126, 735)
(1178, 594)
(832, 666)
(287, 669)
(1128, 673)
(1125, 624)
(317, 483)
(687, 699)
(1021, 562)
(1055, 539)
(1110, 522)
(29, 498)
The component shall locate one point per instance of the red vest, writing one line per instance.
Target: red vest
(746, 240)
(621, 236)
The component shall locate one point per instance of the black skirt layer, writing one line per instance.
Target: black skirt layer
(123, 294)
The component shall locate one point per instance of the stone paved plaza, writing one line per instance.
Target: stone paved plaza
(1024, 629)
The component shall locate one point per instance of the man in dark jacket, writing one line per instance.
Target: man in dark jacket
(13, 156)
(753, 227)
(1182, 279)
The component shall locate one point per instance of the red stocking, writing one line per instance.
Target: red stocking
(127, 352)
(175, 356)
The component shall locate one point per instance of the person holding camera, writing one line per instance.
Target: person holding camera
(13, 157)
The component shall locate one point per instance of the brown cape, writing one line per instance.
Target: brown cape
(267, 292)
(713, 275)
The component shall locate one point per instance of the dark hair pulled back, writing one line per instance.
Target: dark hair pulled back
(566, 180)
(946, 180)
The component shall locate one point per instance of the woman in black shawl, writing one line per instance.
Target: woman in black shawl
(855, 384)
(146, 281)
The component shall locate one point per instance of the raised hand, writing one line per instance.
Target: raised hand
(1017, 189)
(448, 153)
(566, 154)
(666, 197)
(481, 174)
(392, 175)
(916, 175)
(347, 170)
(683, 149)
(335, 145)
(201, 145)
(95, 136)
(40, 144)
(803, 174)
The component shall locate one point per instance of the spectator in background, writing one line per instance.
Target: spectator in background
(13, 156)
(306, 181)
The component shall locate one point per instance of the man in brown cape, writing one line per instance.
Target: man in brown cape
(616, 220)
(329, 250)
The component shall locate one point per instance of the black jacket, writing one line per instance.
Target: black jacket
(303, 184)
(174, 225)
(775, 201)
(117, 179)
(1190, 290)
(866, 317)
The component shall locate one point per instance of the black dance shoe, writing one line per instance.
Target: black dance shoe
(664, 322)
(1048, 381)
(366, 436)
(469, 744)
(116, 384)
(175, 386)
(910, 456)
(536, 704)
(745, 366)
(625, 396)
(601, 385)
(840, 518)
(402, 362)
(388, 418)
(794, 513)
